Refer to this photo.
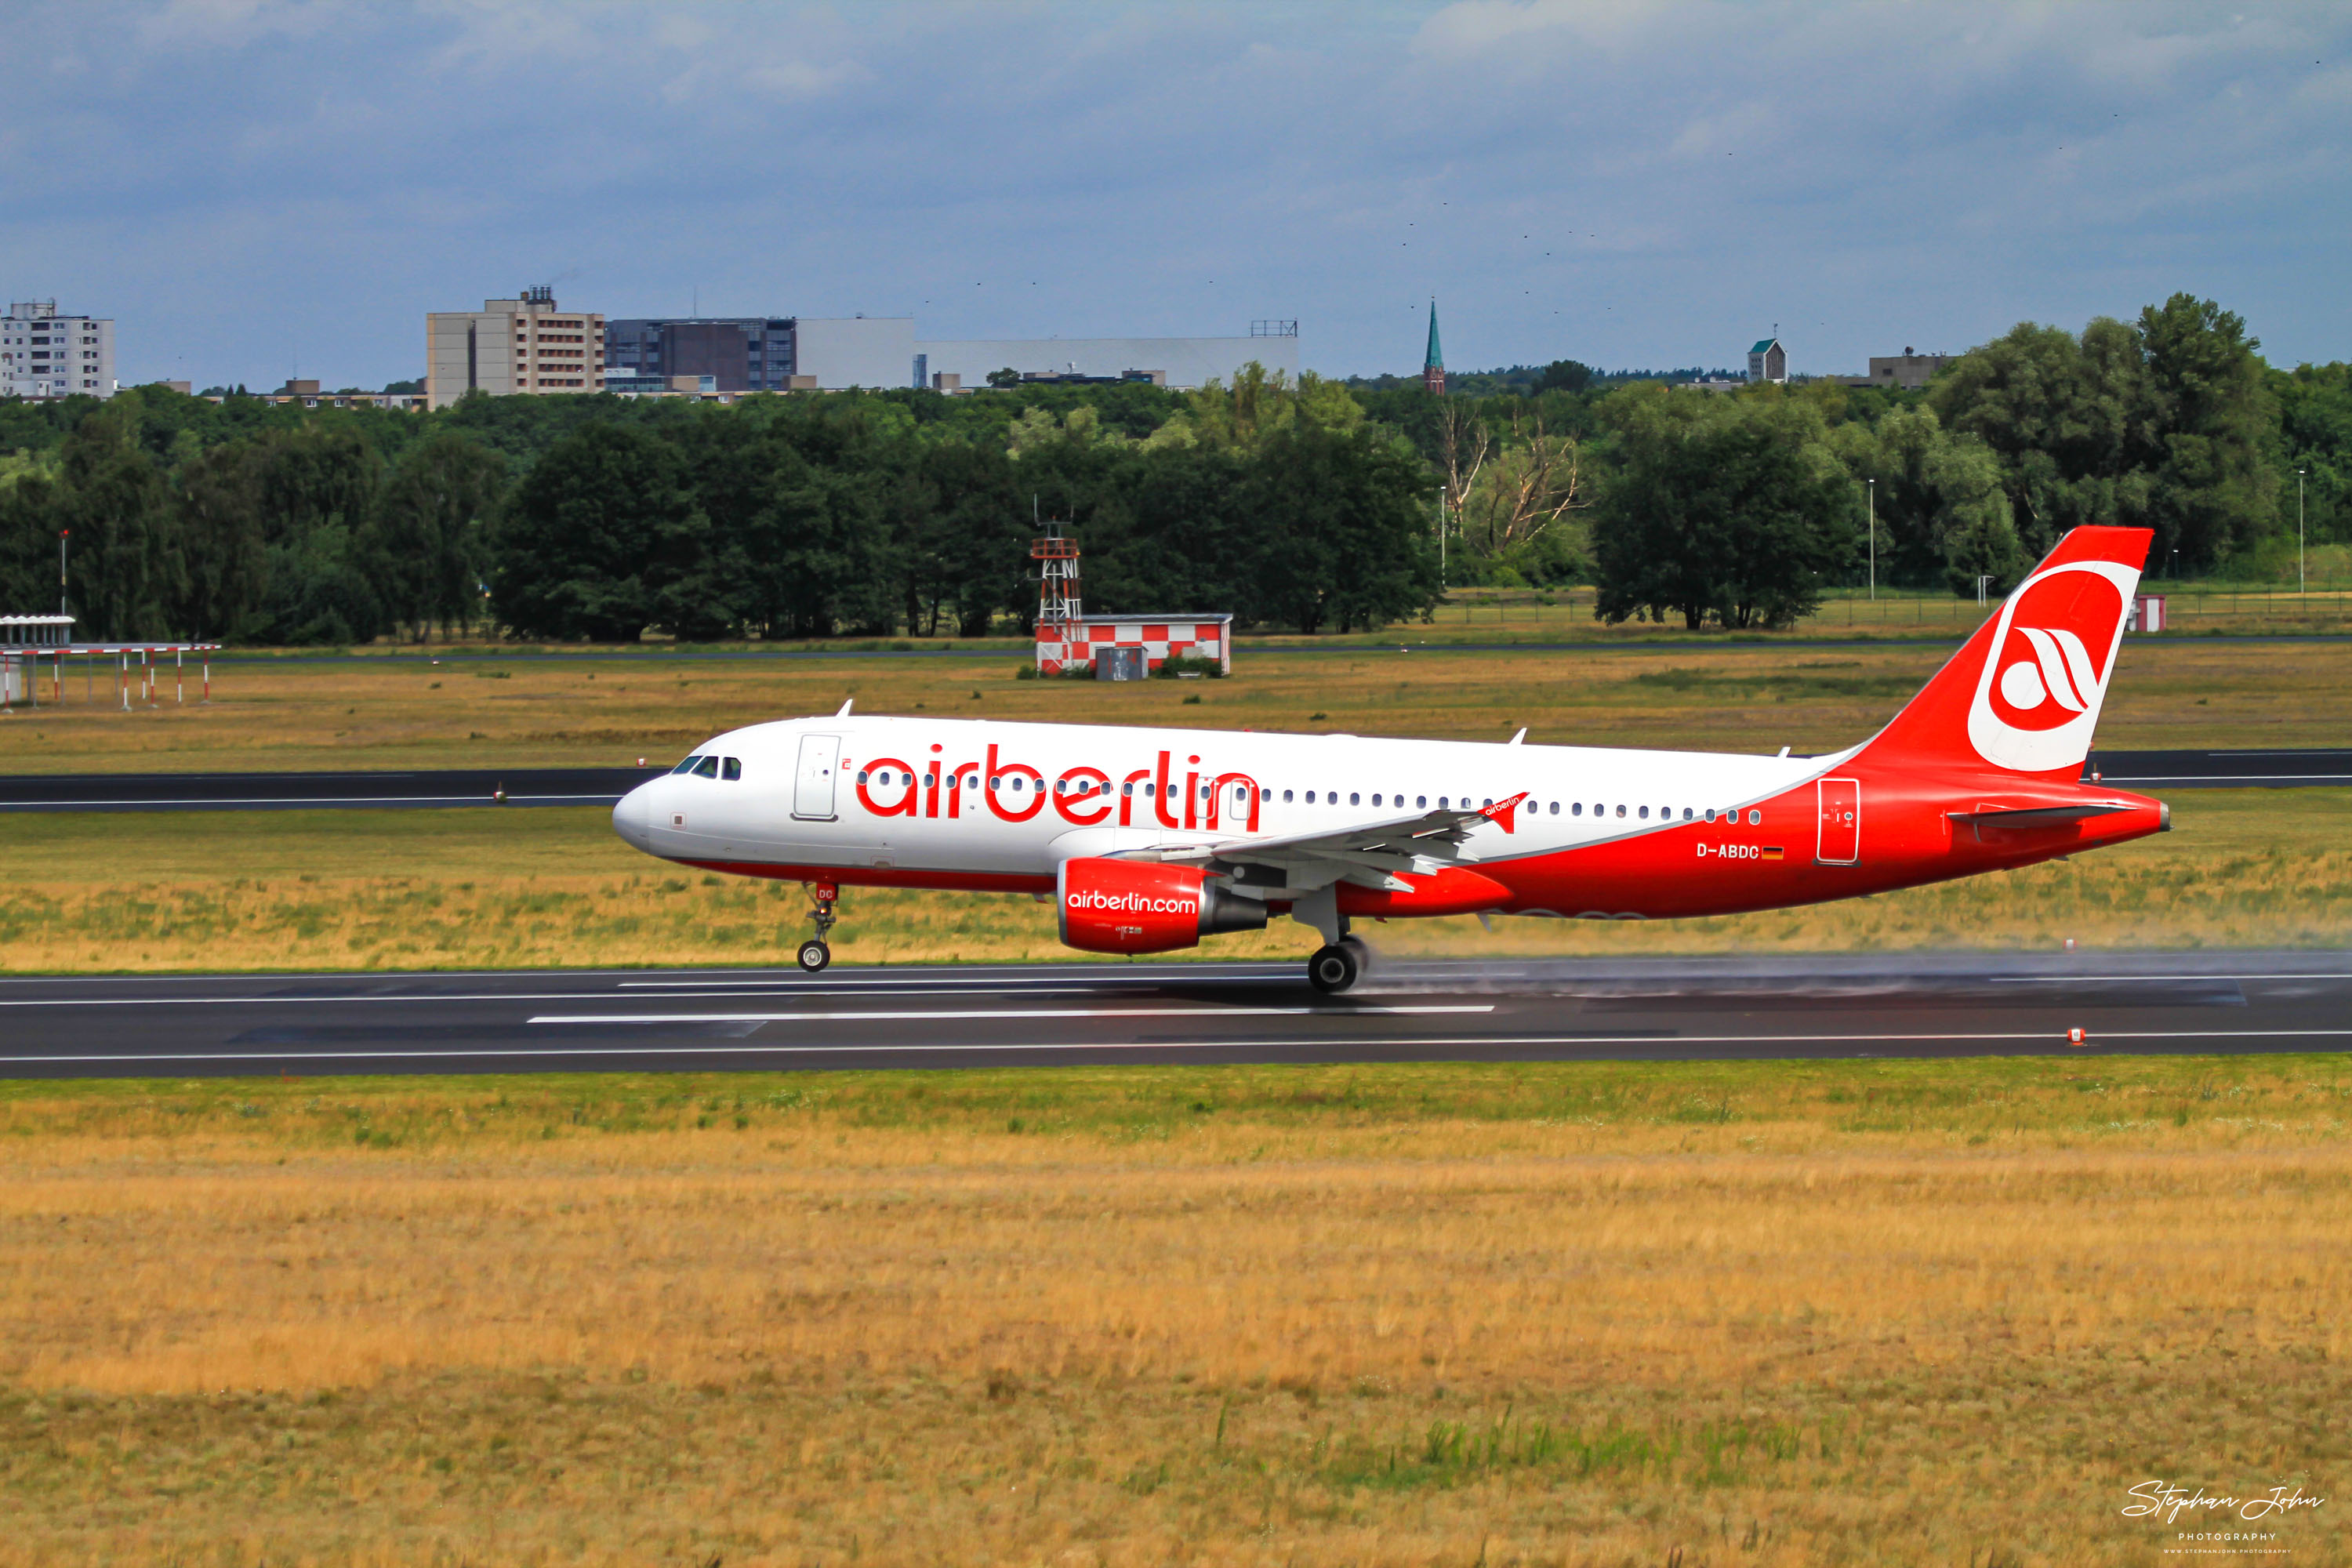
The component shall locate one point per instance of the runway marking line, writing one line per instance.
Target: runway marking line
(2056, 1039)
(2098, 979)
(994, 1013)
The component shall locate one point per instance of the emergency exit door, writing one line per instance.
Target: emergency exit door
(813, 785)
(1840, 822)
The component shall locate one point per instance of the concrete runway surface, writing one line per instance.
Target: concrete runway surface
(2145, 771)
(1086, 1013)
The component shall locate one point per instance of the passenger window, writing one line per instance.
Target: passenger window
(1355, 799)
(1621, 811)
(707, 768)
(1755, 819)
(687, 766)
(1285, 797)
(1577, 809)
(732, 768)
(1376, 800)
(1422, 801)
(1555, 808)
(1645, 813)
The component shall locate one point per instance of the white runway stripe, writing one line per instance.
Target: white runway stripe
(492, 1053)
(871, 1017)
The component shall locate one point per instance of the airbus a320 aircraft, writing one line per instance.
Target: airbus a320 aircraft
(1150, 839)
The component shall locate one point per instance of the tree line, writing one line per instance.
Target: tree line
(1310, 505)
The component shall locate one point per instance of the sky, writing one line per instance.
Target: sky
(259, 188)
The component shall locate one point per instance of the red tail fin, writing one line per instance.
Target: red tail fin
(2023, 695)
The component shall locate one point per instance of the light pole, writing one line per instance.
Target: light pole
(1873, 485)
(1440, 539)
(62, 535)
(2300, 586)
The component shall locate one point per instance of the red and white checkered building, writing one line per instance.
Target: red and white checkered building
(1061, 644)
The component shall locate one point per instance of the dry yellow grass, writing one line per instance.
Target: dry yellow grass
(492, 710)
(554, 886)
(1759, 1314)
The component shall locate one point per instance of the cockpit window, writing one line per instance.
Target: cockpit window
(732, 768)
(687, 766)
(705, 768)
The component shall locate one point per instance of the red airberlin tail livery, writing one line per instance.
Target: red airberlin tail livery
(1150, 839)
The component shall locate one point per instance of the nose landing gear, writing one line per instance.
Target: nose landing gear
(814, 953)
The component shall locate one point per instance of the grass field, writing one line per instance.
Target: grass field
(548, 887)
(1746, 1313)
(404, 711)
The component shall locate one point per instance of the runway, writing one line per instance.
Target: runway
(365, 789)
(1091, 1013)
(368, 790)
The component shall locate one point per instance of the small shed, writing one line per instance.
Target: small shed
(1080, 642)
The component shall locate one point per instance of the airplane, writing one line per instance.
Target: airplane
(1149, 840)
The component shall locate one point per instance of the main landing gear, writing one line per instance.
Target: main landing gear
(815, 954)
(1338, 966)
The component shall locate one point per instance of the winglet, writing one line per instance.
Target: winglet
(844, 709)
(1518, 738)
(1503, 811)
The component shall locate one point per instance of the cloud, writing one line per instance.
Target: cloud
(1648, 183)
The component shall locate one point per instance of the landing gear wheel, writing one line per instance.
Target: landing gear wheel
(1334, 969)
(815, 954)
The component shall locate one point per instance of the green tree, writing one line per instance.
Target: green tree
(594, 534)
(429, 527)
(111, 494)
(1341, 537)
(1942, 514)
(221, 539)
(1730, 508)
(2213, 493)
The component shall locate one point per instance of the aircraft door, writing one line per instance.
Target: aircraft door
(1840, 822)
(813, 785)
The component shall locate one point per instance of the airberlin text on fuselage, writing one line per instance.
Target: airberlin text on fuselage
(1082, 796)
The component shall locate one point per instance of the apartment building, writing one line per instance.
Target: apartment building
(44, 355)
(530, 344)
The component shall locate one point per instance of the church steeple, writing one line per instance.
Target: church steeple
(1432, 369)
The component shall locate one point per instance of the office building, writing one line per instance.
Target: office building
(1768, 361)
(740, 353)
(526, 345)
(44, 355)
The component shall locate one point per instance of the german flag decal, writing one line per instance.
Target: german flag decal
(1772, 852)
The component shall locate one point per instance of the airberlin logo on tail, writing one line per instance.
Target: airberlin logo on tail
(2060, 671)
(2053, 648)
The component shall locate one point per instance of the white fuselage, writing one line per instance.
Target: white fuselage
(913, 795)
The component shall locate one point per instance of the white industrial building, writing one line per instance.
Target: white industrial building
(883, 352)
(44, 355)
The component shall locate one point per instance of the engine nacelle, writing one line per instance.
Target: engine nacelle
(1143, 906)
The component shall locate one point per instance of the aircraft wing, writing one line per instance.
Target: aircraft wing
(1370, 853)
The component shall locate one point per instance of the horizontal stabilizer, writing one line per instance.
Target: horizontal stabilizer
(2035, 816)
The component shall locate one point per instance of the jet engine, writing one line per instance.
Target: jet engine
(1143, 906)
